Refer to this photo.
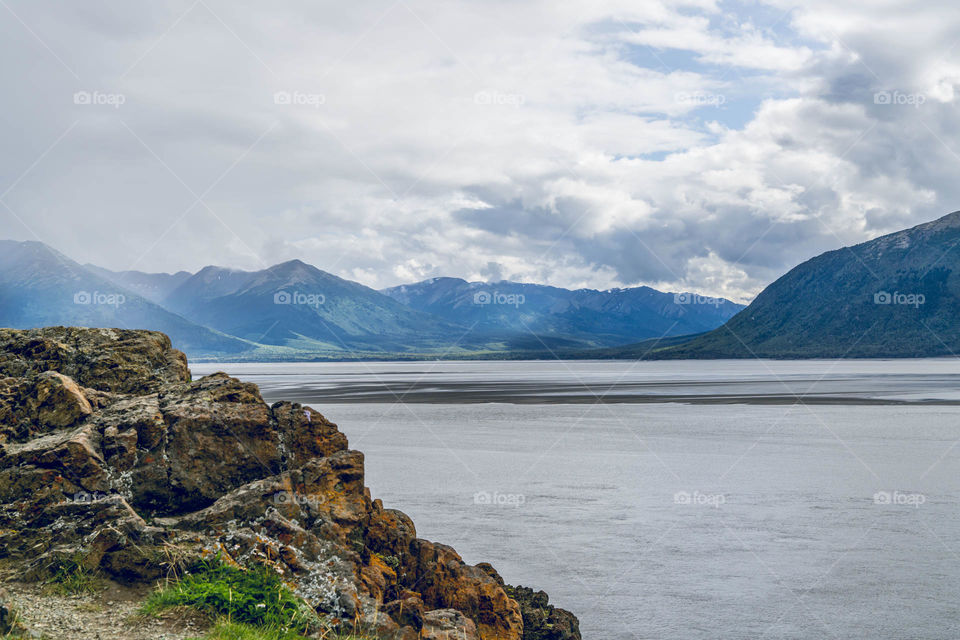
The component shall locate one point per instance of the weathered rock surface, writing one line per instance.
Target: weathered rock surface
(541, 620)
(110, 452)
(106, 359)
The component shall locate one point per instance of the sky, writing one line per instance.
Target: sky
(694, 145)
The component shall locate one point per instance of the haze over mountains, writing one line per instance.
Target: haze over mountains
(588, 316)
(296, 305)
(895, 296)
(41, 287)
(296, 311)
(152, 286)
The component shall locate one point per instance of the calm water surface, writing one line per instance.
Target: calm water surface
(723, 499)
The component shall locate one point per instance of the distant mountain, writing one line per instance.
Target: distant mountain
(585, 317)
(634, 351)
(152, 286)
(294, 311)
(296, 305)
(41, 287)
(897, 295)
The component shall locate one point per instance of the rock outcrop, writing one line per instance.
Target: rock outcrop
(109, 452)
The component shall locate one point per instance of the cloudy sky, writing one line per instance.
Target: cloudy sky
(698, 145)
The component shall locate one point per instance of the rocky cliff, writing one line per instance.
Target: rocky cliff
(111, 453)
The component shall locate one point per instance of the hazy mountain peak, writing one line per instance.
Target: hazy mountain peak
(42, 287)
(292, 265)
(529, 311)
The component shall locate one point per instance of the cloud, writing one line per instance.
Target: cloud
(700, 145)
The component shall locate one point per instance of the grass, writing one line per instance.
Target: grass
(70, 577)
(247, 604)
(254, 598)
(225, 630)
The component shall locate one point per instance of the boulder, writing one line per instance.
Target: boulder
(38, 404)
(121, 360)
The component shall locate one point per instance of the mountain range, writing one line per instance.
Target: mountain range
(294, 311)
(562, 318)
(895, 296)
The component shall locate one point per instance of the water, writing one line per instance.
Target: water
(739, 512)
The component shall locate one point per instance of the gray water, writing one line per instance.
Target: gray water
(809, 499)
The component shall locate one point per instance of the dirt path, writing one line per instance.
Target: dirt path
(107, 615)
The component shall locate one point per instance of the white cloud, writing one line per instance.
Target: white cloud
(540, 141)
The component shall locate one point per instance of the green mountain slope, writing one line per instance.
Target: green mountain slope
(896, 296)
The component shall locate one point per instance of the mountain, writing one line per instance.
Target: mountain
(896, 296)
(533, 313)
(294, 311)
(41, 287)
(296, 305)
(152, 286)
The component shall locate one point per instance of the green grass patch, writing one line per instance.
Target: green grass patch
(225, 630)
(255, 598)
(69, 576)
